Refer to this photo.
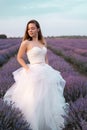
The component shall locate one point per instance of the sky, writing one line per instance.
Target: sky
(56, 17)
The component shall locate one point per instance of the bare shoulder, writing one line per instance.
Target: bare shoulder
(26, 43)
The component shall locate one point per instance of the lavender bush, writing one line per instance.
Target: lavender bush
(8, 48)
(11, 118)
(68, 43)
(61, 65)
(78, 62)
(74, 51)
(76, 116)
(7, 53)
(10, 41)
(76, 87)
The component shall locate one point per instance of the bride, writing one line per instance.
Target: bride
(38, 88)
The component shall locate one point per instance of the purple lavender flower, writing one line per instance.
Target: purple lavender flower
(11, 118)
(76, 115)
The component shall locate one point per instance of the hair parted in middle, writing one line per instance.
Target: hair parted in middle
(40, 36)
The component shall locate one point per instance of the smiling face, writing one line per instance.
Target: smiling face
(32, 30)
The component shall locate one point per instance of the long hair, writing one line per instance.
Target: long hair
(40, 36)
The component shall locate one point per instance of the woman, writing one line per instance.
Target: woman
(38, 88)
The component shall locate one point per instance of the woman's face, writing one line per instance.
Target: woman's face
(32, 30)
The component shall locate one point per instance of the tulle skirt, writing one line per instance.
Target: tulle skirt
(38, 93)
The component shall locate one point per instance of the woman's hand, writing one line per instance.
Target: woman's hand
(27, 69)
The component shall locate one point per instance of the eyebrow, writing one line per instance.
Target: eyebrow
(31, 27)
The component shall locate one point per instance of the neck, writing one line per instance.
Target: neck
(35, 38)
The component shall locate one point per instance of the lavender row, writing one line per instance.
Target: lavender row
(60, 64)
(69, 43)
(77, 61)
(8, 53)
(76, 115)
(66, 47)
(9, 41)
(2, 47)
(8, 48)
(78, 46)
(11, 118)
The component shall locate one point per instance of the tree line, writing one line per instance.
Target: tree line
(3, 36)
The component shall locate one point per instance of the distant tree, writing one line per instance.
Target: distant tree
(3, 36)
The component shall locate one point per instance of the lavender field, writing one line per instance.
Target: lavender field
(67, 55)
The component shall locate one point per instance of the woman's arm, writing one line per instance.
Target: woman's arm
(21, 52)
(46, 59)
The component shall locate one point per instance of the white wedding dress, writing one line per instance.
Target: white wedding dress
(38, 93)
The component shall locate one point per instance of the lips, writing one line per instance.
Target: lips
(31, 33)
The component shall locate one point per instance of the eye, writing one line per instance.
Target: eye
(32, 28)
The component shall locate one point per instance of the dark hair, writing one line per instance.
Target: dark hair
(40, 36)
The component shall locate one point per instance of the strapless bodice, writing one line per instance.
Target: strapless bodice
(37, 55)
